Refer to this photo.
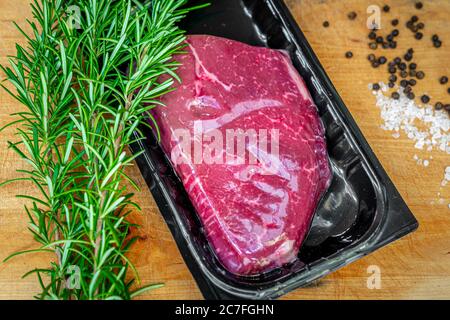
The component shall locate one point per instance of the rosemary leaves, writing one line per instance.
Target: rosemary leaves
(87, 86)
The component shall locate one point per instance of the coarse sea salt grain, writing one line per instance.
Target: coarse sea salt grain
(424, 162)
(446, 177)
(428, 128)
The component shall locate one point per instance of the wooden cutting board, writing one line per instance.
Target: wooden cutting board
(417, 266)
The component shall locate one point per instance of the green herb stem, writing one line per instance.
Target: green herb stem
(86, 90)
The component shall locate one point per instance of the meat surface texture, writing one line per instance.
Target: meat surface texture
(254, 218)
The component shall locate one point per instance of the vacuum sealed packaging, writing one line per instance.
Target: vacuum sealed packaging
(261, 173)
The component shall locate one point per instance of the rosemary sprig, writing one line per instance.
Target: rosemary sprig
(42, 76)
(86, 91)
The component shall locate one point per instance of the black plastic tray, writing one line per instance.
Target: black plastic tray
(361, 211)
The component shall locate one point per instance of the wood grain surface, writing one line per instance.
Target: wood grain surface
(417, 266)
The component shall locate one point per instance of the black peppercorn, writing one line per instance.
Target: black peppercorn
(379, 39)
(371, 57)
(395, 22)
(391, 84)
(448, 90)
(438, 106)
(373, 45)
(412, 73)
(392, 70)
(393, 44)
(447, 107)
(435, 37)
(411, 96)
(408, 57)
(425, 98)
(395, 95)
(420, 75)
(382, 60)
(437, 44)
(414, 19)
(402, 66)
(403, 74)
(404, 83)
(412, 82)
(395, 32)
(390, 38)
(376, 86)
(443, 80)
(407, 90)
(386, 8)
(419, 5)
(397, 60)
(375, 64)
(352, 15)
(413, 66)
(420, 25)
(349, 54)
(326, 24)
(393, 78)
(372, 35)
(419, 35)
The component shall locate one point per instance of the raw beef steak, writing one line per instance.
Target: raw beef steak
(255, 215)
